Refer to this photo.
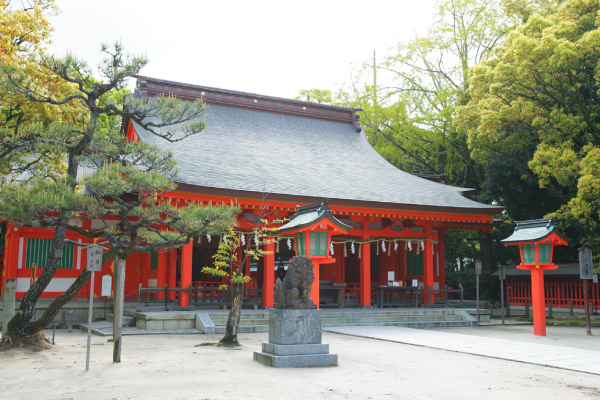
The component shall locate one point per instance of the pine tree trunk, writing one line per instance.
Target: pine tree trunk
(233, 321)
(20, 326)
(118, 303)
(55, 307)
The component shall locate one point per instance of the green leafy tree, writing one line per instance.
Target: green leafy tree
(409, 99)
(228, 266)
(322, 96)
(410, 120)
(540, 91)
(24, 30)
(106, 178)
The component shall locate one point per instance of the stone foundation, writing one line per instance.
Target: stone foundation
(295, 340)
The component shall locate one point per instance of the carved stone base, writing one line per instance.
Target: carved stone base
(295, 341)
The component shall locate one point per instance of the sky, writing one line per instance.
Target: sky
(274, 48)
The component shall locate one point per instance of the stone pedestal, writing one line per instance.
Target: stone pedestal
(295, 340)
(9, 303)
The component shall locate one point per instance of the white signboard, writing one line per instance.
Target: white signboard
(585, 263)
(106, 286)
(391, 276)
(415, 282)
(94, 259)
(595, 279)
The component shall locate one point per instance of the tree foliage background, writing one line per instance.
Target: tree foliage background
(500, 96)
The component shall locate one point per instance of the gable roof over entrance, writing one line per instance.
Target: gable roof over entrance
(295, 150)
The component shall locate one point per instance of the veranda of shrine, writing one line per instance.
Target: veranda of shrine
(389, 233)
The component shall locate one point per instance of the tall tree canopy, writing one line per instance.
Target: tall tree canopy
(24, 32)
(410, 97)
(539, 96)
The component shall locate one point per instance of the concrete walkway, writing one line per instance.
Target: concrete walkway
(574, 359)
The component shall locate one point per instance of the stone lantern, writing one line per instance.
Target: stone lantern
(313, 226)
(536, 240)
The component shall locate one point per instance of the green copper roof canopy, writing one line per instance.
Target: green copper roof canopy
(534, 230)
(312, 214)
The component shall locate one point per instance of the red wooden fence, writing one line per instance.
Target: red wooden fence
(559, 291)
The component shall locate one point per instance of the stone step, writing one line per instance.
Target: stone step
(106, 330)
(245, 328)
(408, 324)
(243, 321)
(98, 328)
(243, 316)
(409, 318)
(431, 324)
(309, 360)
(127, 319)
(326, 314)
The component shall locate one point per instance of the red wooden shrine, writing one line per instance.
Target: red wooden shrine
(269, 156)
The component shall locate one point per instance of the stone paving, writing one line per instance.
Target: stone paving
(575, 359)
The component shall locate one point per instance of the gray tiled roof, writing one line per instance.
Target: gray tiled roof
(533, 231)
(311, 214)
(258, 151)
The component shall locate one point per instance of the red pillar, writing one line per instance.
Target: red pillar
(145, 269)
(11, 256)
(161, 273)
(538, 300)
(428, 266)
(365, 275)
(269, 275)
(172, 272)
(442, 253)
(314, 290)
(186, 273)
(248, 272)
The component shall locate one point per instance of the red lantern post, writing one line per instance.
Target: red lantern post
(313, 226)
(536, 240)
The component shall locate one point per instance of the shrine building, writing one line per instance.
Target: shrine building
(274, 154)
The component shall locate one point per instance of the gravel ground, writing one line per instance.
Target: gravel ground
(172, 367)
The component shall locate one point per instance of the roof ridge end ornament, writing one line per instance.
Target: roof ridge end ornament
(356, 121)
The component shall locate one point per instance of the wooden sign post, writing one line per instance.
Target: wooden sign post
(586, 273)
(94, 263)
(477, 274)
(502, 277)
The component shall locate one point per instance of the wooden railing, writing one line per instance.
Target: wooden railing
(559, 293)
(396, 296)
(209, 296)
(446, 291)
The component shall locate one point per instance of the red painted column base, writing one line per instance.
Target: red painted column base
(314, 290)
(365, 275)
(269, 276)
(538, 302)
(186, 273)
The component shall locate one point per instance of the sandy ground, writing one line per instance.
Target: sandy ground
(171, 367)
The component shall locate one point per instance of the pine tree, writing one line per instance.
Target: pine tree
(105, 176)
